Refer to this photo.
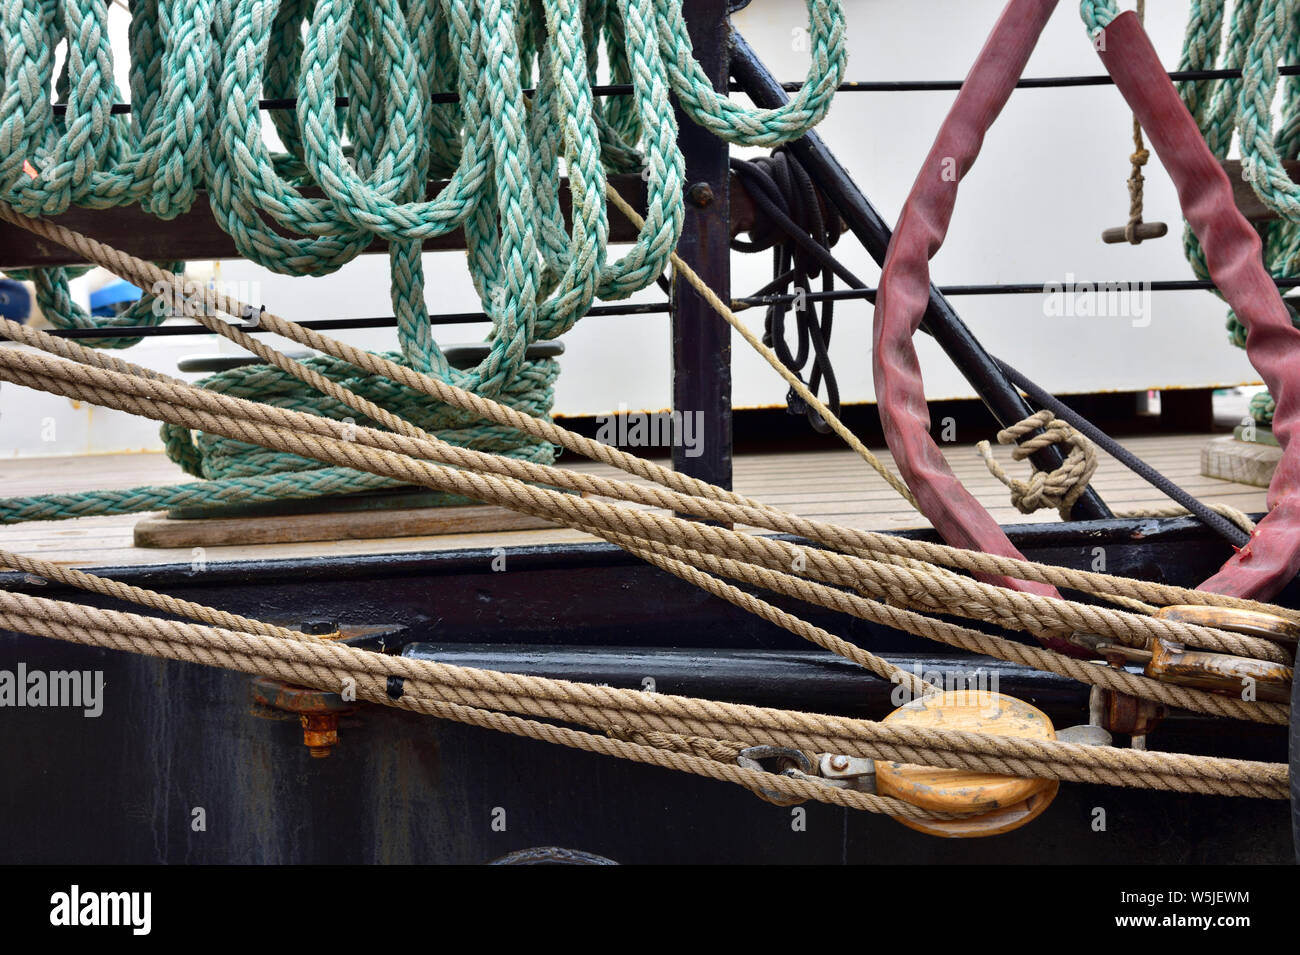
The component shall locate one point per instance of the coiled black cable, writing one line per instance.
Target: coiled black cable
(787, 202)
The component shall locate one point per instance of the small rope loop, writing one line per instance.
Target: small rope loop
(1058, 488)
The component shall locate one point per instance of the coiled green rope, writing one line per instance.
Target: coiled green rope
(197, 71)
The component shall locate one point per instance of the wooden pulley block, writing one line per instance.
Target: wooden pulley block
(1007, 802)
(1222, 672)
(1250, 622)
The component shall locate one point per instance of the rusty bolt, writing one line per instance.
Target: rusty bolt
(320, 731)
(317, 710)
(700, 195)
(839, 763)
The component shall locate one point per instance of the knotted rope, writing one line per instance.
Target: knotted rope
(1058, 488)
(1140, 157)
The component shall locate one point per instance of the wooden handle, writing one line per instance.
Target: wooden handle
(1250, 622)
(1144, 230)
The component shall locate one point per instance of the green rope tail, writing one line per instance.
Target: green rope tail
(238, 473)
(255, 489)
(249, 490)
(1256, 38)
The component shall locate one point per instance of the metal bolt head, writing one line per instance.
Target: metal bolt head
(320, 733)
(700, 195)
(839, 762)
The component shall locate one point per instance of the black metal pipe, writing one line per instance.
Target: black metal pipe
(795, 679)
(985, 376)
(849, 86)
(635, 308)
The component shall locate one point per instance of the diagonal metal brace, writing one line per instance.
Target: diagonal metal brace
(979, 368)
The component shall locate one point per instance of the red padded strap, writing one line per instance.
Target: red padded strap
(1232, 252)
(905, 288)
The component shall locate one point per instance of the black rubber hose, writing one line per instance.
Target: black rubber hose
(792, 224)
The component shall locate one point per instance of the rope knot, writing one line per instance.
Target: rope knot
(1058, 488)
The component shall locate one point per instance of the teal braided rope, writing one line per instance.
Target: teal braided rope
(1262, 407)
(54, 297)
(349, 176)
(239, 473)
(1097, 14)
(1259, 35)
(153, 158)
(252, 490)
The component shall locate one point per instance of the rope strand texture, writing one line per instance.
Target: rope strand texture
(118, 384)
(1256, 38)
(198, 69)
(328, 665)
(374, 190)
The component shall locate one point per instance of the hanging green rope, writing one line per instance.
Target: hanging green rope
(1256, 38)
(349, 176)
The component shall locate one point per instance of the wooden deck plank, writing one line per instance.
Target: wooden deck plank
(832, 485)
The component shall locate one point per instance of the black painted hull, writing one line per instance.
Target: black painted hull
(176, 737)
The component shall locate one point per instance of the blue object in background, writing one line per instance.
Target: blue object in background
(107, 301)
(15, 300)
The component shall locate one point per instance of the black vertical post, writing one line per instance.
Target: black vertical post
(701, 338)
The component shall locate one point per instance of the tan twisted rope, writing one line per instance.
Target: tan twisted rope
(954, 588)
(682, 562)
(1058, 488)
(714, 498)
(138, 270)
(768, 355)
(148, 598)
(325, 665)
(464, 482)
(1140, 157)
(947, 593)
